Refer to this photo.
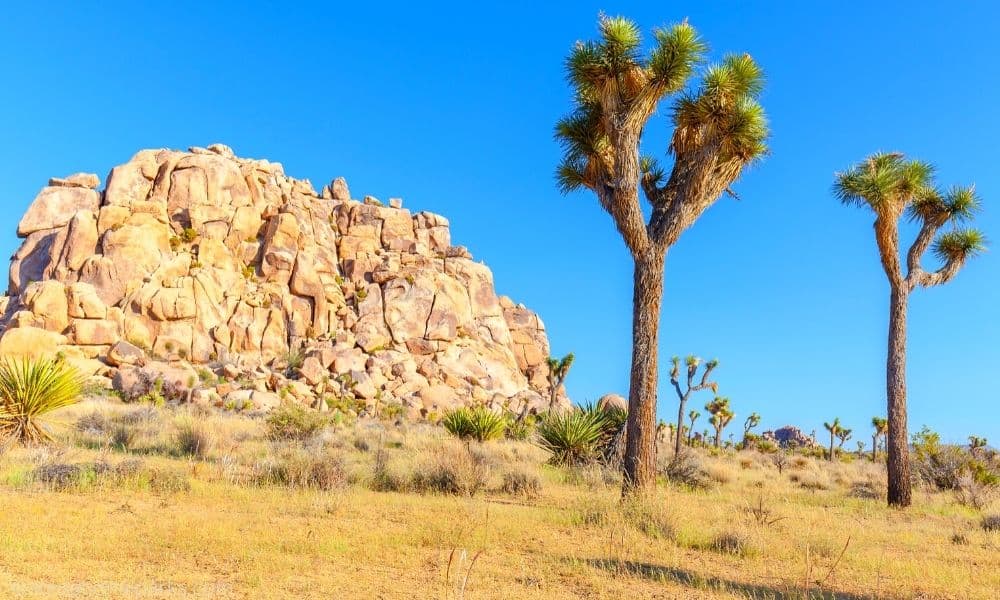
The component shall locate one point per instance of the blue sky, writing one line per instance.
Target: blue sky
(452, 108)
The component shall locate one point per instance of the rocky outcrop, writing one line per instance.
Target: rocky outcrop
(204, 258)
(789, 437)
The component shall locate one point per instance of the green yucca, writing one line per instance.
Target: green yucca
(477, 423)
(578, 436)
(30, 389)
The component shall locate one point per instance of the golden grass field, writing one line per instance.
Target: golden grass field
(212, 526)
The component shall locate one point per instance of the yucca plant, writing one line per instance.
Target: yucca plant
(29, 390)
(579, 436)
(477, 423)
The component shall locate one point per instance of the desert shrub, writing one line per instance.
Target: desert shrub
(301, 468)
(387, 478)
(812, 480)
(138, 416)
(959, 539)
(93, 423)
(648, 517)
(122, 437)
(58, 476)
(452, 471)
(591, 475)
(868, 490)
(683, 468)
(800, 462)
(29, 390)
(193, 438)
(293, 359)
(732, 542)
(990, 523)
(477, 423)
(292, 421)
(971, 492)
(574, 437)
(520, 430)
(720, 473)
(521, 483)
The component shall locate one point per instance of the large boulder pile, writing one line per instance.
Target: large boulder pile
(197, 261)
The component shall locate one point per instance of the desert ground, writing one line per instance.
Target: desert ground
(140, 501)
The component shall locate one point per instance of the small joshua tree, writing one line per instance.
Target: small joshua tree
(880, 425)
(976, 444)
(691, 363)
(843, 435)
(752, 421)
(834, 428)
(721, 416)
(693, 415)
(558, 370)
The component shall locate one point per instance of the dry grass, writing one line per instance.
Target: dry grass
(261, 518)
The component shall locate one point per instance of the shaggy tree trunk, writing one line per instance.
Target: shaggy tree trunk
(680, 425)
(640, 440)
(718, 434)
(830, 458)
(895, 380)
(875, 447)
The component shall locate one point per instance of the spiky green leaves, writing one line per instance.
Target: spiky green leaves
(959, 244)
(886, 181)
(678, 50)
(724, 111)
(29, 390)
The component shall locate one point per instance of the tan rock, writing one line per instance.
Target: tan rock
(31, 342)
(84, 180)
(55, 206)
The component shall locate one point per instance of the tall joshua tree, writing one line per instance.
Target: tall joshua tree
(892, 186)
(691, 363)
(721, 416)
(880, 425)
(718, 129)
(558, 370)
(834, 428)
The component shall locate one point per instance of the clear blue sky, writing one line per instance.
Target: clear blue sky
(453, 108)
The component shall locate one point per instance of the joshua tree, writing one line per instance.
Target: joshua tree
(692, 363)
(843, 435)
(834, 428)
(891, 185)
(558, 370)
(752, 421)
(976, 444)
(718, 129)
(861, 448)
(693, 415)
(721, 416)
(880, 426)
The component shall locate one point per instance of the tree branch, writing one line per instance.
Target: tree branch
(914, 272)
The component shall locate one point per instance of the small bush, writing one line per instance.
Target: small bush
(193, 439)
(521, 483)
(971, 492)
(732, 542)
(990, 523)
(959, 539)
(720, 473)
(458, 472)
(300, 468)
(684, 469)
(478, 423)
(58, 476)
(292, 421)
(520, 430)
(648, 517)
(122, 437)
(93, 423)
(592, 476)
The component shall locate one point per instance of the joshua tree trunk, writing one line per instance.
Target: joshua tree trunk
(895, 379)
(875, 447)
(680, 424)
(830, 458)
(718, 434)
(640, 448)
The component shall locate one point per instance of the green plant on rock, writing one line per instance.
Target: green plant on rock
(189, 235)
(29, 390)
(477, 423)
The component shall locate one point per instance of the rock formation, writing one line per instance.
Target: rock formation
(203, 258)
(789, 437)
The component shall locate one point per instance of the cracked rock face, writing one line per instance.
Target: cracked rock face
(204, 258)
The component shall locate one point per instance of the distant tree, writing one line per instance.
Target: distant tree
(693, 415)
(892, 186)
(861, 448)
(558, 370)
(721, 416)
(834, 428)
(976, 445)
(843, 435)
(880, 426)
(718, 129)
(691, 363)
(752, 421)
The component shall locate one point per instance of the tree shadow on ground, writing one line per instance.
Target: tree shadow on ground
(698, 581)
